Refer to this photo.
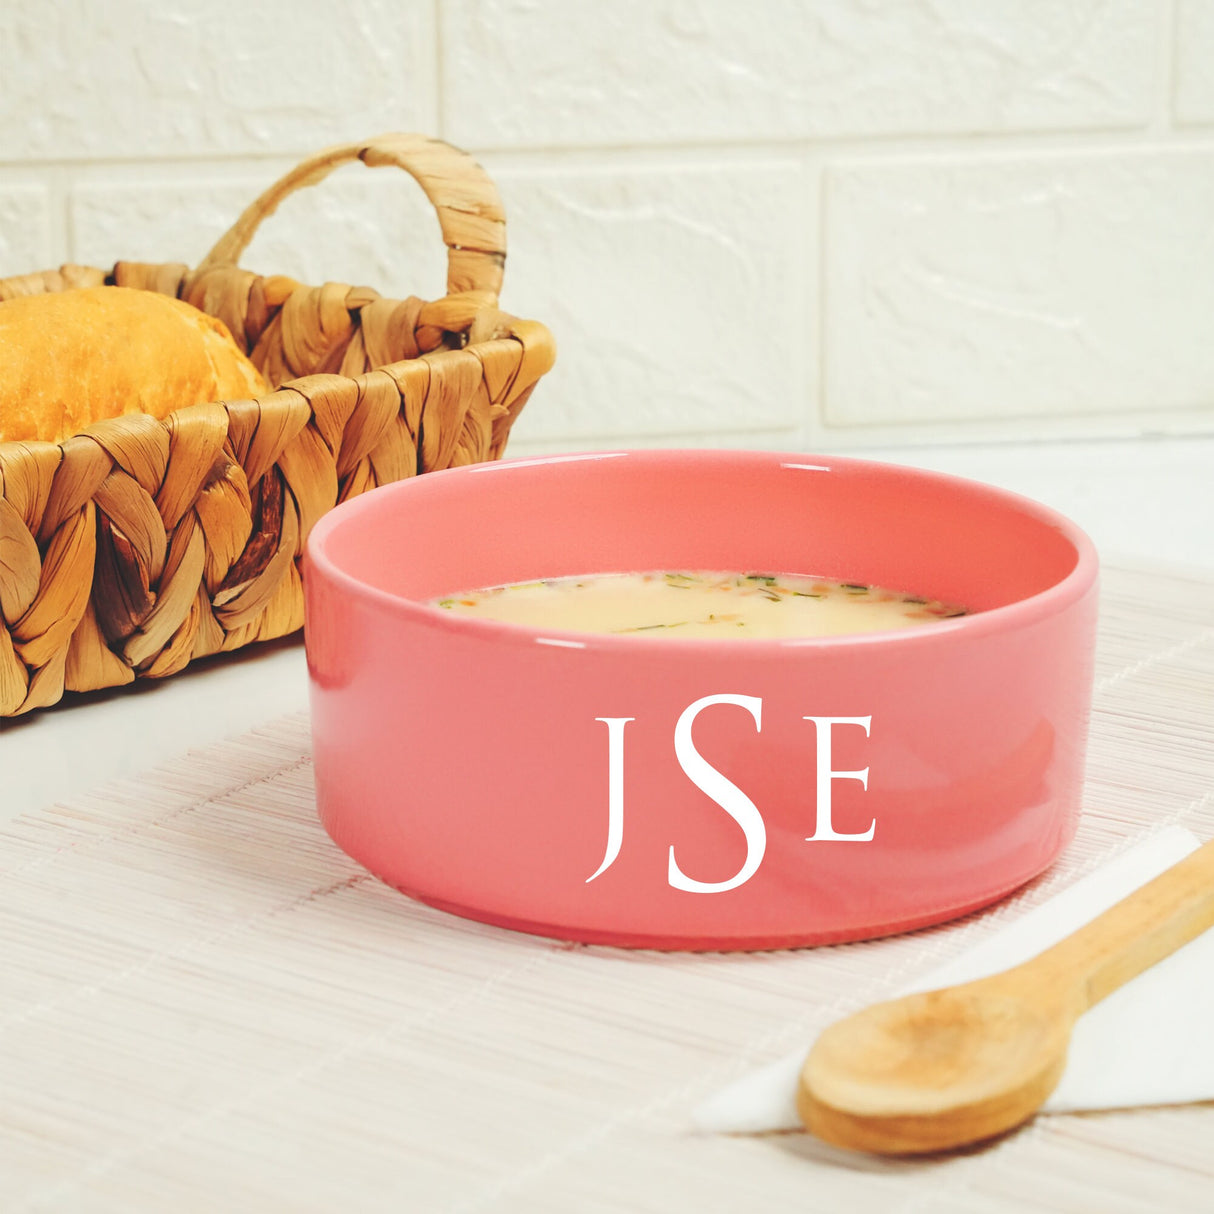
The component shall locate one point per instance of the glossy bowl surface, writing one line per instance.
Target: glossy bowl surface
(711, 794)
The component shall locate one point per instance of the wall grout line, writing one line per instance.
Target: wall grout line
(440, 72)
(1170, 73)
(882, 149)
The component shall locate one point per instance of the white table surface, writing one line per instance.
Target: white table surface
(1148, 500)
(206, 1005)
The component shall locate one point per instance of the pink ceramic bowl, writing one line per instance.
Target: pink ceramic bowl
(665, 793)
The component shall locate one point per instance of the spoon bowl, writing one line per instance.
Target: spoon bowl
(947, 1068)
(919, 1074)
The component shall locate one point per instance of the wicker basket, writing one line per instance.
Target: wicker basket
(138, 545)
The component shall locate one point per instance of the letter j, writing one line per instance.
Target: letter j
(615, 791)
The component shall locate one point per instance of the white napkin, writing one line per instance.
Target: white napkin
(1147, 1043)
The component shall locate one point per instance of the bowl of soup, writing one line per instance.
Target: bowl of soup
(699, 699)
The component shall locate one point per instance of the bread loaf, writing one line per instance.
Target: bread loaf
(71, 358)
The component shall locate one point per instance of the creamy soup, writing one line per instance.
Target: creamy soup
(700, 605)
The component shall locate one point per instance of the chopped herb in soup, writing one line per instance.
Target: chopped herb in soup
(759, 605)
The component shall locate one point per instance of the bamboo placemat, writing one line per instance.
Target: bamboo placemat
(204, 1005)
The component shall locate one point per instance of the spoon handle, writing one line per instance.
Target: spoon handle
(1135, 933)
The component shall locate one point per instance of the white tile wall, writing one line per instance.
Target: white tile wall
(168, 78)
(1194, 89)
(839, 223)
(527, 72)
(361, 226)
(1059, 286)
(670, 291)
(25, 228)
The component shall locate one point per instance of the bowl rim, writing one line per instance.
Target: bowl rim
(1021, 613)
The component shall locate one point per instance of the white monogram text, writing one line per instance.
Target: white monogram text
(727, 794)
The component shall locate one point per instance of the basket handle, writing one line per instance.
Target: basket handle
(469, 210)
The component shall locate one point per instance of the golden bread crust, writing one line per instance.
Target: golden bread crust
(72, 358)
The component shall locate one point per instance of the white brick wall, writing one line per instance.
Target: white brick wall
(1194, 82)
(1052, 287)
(527, 72)
(818, 223)
(359, 226)
(670, 291)
(26, 224)
(151, 79)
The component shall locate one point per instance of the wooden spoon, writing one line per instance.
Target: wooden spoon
(955, 1066)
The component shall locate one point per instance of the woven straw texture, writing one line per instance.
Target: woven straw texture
(206, 1006)
(139, 545)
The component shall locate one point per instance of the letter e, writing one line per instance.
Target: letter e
(823, 828)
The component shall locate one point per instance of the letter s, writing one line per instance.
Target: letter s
(724, 792)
